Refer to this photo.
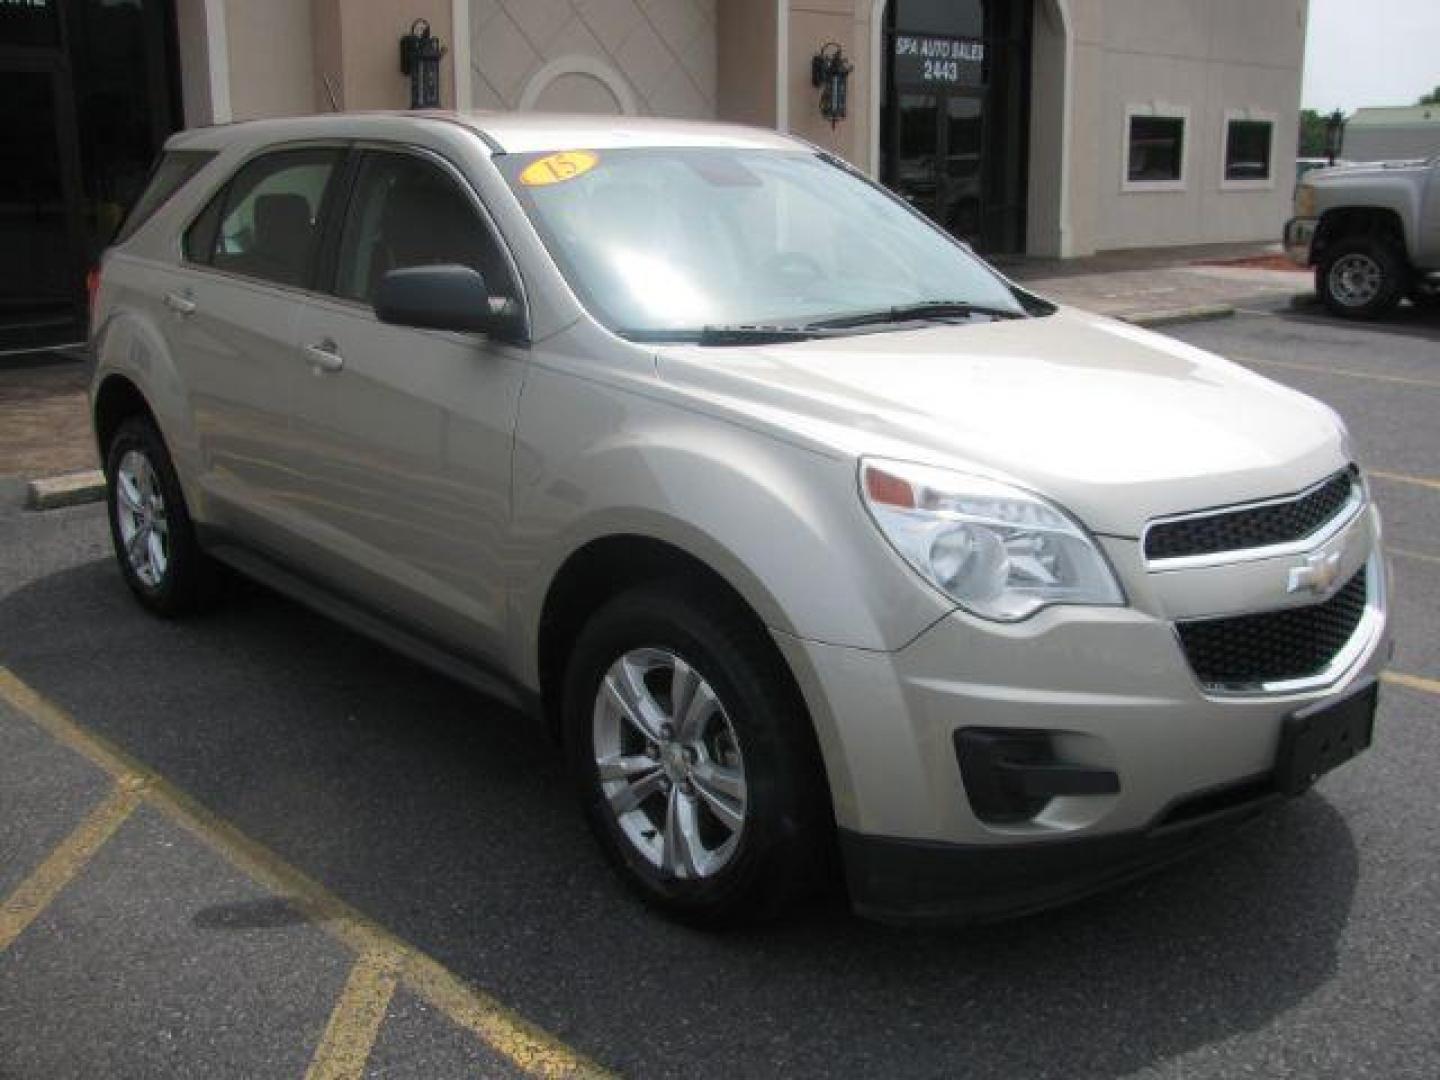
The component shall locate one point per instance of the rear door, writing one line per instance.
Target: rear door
(233, 307)
(406, 434)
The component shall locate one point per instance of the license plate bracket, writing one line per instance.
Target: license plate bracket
(1317, 739)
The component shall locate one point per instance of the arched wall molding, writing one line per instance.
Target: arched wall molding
(575, 64)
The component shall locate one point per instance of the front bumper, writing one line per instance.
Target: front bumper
(1113, 693)
(910, 881)
(1300, 239)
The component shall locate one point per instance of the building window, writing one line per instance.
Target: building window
(1249, 151)
(1154, 150)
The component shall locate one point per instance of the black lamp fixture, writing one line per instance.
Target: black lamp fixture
(830, 71)
(420, 53)
(1334, 134)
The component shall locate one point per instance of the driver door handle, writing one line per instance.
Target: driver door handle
(324, 357)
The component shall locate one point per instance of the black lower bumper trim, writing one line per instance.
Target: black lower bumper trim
(911, 881)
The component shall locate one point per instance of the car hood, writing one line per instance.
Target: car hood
(1116, 423)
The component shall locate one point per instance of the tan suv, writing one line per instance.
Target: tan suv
(814, 540)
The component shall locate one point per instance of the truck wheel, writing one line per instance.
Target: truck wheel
(150, 525)
(695, 761)
(1361, 277)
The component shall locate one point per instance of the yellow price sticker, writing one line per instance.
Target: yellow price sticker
(557, 168)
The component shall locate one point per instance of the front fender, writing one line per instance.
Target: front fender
(783, 524)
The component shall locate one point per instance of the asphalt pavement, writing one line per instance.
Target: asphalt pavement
(254, 844)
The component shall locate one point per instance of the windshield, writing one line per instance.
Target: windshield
(663, 243)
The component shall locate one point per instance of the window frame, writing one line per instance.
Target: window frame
(328, 269)
(1255, 116)
(328, 200)
(1155, 111)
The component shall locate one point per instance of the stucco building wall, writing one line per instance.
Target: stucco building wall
(1092, 61)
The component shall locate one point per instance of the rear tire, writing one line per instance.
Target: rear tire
(150, 524)
(711, 800)
(1361, 277)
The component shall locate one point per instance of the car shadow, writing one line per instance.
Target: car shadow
(1408, 320)
(448, 820)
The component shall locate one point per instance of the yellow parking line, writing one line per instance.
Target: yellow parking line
(1412, 682)
(1404, 478)
(345, 1047)
(1403, 380)
(33, 896)
(533, 1050)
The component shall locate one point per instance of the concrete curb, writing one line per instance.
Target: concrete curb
(72, 489)
(1179, 315)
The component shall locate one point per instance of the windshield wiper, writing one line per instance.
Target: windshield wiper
(925, 309)
(758, 334)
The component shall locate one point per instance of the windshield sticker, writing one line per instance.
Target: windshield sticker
(557, 168)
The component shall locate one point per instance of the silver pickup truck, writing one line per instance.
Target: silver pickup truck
(1372, 232)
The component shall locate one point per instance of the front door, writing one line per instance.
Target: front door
(404, 435)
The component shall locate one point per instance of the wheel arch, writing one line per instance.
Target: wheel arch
(1380, 222)
(116, 399)
(608, 565)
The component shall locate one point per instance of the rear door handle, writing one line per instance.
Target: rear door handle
(324, 357)
(180, 303)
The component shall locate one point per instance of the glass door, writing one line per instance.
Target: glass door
(961, 199)
(937, 158)
(41, 277)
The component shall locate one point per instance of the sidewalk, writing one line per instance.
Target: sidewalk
(1146, 281)
(44, 416)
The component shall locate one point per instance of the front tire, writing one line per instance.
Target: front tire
(150, 524)
(1361, 277)
(694, 757)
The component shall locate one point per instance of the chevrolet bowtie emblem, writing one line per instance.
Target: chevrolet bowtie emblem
(1318, 574)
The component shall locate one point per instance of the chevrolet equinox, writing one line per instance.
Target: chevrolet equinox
(814, 541)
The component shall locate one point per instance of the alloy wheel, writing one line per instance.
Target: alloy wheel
(669, 763)
(141, 516)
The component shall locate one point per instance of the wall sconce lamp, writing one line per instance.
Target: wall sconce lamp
(830, 71)
(420, 53)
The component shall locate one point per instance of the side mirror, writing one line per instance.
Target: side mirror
(445, 297)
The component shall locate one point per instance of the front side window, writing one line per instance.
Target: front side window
(666, 242)
(269, 218)
(406, 211)
(1155, 150)
(1247, 149)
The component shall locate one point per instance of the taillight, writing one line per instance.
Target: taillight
(92, 288)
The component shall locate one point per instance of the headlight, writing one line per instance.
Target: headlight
(1305, 201)
(999, 552)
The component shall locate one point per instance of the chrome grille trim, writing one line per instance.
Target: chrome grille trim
(1347, 513)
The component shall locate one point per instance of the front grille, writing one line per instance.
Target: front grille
(1252, 527)
(1246, 650)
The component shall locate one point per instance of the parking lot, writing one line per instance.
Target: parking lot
(254, 844)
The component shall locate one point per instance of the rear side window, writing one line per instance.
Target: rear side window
(171, 172)
(266, 223)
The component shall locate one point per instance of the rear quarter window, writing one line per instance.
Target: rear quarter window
(171, 172)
